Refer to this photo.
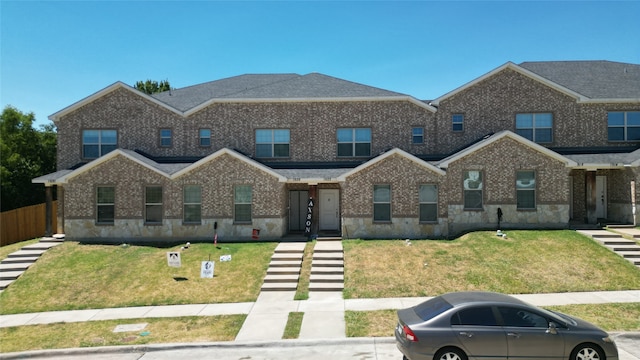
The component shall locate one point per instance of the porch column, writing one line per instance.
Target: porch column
(48, 210)
(591, 197)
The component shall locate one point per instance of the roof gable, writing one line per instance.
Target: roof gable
(234, 154)
(386, 155)
(444, 163)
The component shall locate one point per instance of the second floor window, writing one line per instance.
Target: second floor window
(624, 125)
(192, 204)
(536, 127)
(417, 135)
(472, 185)
(272, 143)
(204, 137)
(153, 205)
(166, 136)
(105, 204)
(96, 143)
(457, 122)
(526, 189)
(354, 142)
(382, 203)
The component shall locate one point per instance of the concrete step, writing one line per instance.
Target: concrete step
(4, 284)
(279, 286)
(326, 287)
(634, 261)
(293, 270)
(26, 253)
(328, 239)
(18, 260)
(42, 245)
(328, 247)
(324, 278)
(286, 257)
(327, 270)
(281, 278)
(293, 247)
(620, 241)
(10, 275)
(617, 248)
(327, 263)
(629, 254)
(328, 256)
(285, 263)
(14, 267)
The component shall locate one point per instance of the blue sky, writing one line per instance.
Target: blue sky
(54, 53)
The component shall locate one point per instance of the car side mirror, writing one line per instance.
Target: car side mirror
(553, 328)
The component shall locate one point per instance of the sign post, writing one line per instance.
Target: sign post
(308, 222)
(207, 269)
(173, 259)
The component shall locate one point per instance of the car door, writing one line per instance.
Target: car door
(479, 334)
(528, 335)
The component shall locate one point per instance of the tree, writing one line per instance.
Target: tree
(152, 86)
(25, 153)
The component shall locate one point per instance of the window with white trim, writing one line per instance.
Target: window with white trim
(382, 203)
(272, 143)
(457, 122)
(153, 205)
(105, 204)
(526, 190)
(428, 198)
(204, 137)
(96, 143)
(537, 127)
(417, 135)
(192, 204)
(354, 142)
(242, 199)
(472, 184)
(623, 125)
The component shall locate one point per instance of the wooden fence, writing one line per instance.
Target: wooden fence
(26, 223)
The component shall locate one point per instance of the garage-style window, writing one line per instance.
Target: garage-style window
(472, 183)
(526, 189)
(272, 143)
(354, 142)
(624, 125)
(96, 143)
(192, 202)
(428, 203)
(382, 203)
(153, 205)
(537, 127)
(242, 203)
(105, 204)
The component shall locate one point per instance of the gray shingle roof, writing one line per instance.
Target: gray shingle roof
(593, 79)
(270, 86)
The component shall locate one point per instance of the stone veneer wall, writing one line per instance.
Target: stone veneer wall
(217, 179)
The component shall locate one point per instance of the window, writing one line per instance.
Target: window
(522, 318)
(526, 189)
(418, 135)
(204, 137)
(354, 142)
(165, 137)
(105, 204)
(535, 127)
(624, 126)
(428, 198)
(153, 205)
(457, 122)
(192, 203)
(472, 190)
(96, 143)
(382, 203)
(272, 143)
(242, 203)
(477, 316)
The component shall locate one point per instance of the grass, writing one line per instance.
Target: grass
(75, 276)
(100, 333)
(302, 292)
(525, 262)
(294, 323)
(610, 317)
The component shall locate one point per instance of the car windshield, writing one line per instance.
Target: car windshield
(432, 308)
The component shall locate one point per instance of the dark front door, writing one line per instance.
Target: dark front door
(297, 209)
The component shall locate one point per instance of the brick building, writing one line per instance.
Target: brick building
(534, 145)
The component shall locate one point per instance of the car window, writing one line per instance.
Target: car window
(522, 318)
(481, 315)
(432, 308)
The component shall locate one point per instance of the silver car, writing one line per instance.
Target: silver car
(488, 326)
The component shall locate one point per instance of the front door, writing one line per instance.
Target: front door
(329, 209)
(297, 209)
(601, 197)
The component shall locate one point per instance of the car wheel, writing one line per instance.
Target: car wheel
(450, 354)
(587, 352)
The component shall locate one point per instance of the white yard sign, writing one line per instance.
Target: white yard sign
(173, 259)
(206, 270)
